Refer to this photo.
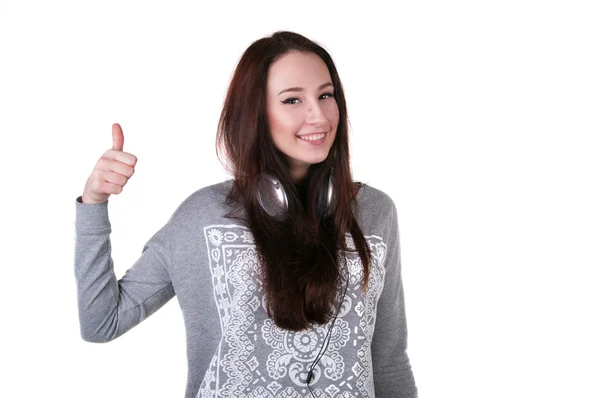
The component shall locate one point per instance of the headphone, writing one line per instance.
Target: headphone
(273, 200)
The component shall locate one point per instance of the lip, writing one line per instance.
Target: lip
(316, 142)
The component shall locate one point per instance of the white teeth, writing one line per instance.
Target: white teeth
(314, 137)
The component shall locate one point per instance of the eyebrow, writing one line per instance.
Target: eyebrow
(322, 86)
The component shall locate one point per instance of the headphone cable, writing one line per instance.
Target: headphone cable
(325, 344)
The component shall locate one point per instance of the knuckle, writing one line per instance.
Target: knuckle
(99, 187)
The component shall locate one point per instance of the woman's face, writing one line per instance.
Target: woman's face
(301, 110)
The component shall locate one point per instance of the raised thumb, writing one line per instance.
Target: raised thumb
(118, 139)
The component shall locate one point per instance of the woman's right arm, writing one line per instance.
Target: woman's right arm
(109, 307)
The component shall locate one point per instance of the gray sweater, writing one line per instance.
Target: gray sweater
(234, 349)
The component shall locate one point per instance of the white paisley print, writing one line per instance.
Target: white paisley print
(255, 358)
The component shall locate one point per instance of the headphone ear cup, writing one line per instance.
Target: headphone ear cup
(272, 197)
(331, 196)
(326, 198)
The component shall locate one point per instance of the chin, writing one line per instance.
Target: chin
(313, 161)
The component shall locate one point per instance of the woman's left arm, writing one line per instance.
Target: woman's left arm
(392, 372)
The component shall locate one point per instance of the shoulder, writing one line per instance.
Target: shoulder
(209, 200)
(371, 199)
(375, 211)
(213, 192)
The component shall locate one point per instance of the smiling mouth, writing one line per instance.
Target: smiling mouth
(312, 137)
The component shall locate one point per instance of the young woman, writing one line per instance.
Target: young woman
(288, 275)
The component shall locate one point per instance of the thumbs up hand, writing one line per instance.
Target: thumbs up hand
(111, 173)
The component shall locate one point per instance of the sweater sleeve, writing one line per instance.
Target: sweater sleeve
(392, 372)
(109, 307)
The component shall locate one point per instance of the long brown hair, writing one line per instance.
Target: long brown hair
(300, 273)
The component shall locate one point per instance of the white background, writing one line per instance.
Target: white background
(479, 118)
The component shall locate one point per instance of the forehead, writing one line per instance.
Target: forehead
(297, 69)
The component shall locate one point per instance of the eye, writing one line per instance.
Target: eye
(291, 101)
(295, 100)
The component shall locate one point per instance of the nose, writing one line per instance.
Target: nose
(315, 115)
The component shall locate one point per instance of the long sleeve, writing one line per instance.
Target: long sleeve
(392, 372)
(109, 307)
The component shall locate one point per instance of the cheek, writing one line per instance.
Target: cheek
(333, 113)
(282, 122)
